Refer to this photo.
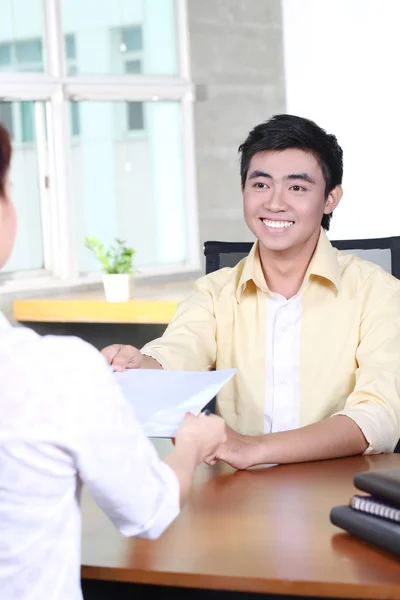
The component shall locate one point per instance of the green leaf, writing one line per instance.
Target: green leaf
(116, 260)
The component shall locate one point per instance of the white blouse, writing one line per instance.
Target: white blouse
(64, 422)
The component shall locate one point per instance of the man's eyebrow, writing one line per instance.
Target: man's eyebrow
(302, 176)
(291, 176)
(258, 173)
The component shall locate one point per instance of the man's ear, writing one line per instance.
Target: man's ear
(333, 199)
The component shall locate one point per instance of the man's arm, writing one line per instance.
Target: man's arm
(188, 344)
(331, 438)
(374, 404)
(370, 420)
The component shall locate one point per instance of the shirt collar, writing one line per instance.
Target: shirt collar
(252, 271)
(324, 264)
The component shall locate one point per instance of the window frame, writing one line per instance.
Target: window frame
(52, 91)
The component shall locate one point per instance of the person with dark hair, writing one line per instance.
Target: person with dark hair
(284, 132)
(64, 422)
(7, 211)
(314, 333)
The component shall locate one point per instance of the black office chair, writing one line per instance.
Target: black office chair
(385, 252)
(382, 251)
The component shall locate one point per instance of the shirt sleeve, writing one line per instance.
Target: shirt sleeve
(114, 459)
(189, 342)
(375, 402)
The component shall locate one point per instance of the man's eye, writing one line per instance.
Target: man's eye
(260, 185)
(298, 188)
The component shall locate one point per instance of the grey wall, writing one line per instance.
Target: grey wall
(237, 65)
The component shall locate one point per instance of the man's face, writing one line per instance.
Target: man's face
(284, 198)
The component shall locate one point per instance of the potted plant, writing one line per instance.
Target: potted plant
(117, 268)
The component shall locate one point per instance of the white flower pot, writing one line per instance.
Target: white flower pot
(118, 288)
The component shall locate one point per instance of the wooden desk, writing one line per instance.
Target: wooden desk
(151, 304)
(263, 530)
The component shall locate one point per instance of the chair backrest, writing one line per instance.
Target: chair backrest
(382, 251)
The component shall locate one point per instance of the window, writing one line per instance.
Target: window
(75, 119)
(22, 56)
(71, 66)
(131, 55)
(131, 39)
(133, 67)
(21, 36)
(24, 176)
(18, 118)
(112, 155)
(6, 117)
(131, 188)
(135, 116)
(123, 27)
(27, 124)
(5, 55)
(27, 56)
(70, 49)
(131, 50)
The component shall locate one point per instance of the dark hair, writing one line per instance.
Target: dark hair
(5, 157)
(288, 131)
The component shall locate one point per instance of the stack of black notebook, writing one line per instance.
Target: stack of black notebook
(376, 517)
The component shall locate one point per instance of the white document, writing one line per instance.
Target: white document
(161, 398)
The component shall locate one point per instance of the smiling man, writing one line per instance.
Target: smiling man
(314, 333)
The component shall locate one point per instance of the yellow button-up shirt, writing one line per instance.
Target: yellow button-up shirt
(349, 347)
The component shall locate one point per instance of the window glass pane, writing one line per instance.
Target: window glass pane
(130, 185)
(133, 67)
(29, 52)
(28, 249)
(6, 117)
(21, 36)
(5, 54)
(132, 39)
(27, 122)
(109, 33)
(135, 116)
(75, 119)
(70, 49)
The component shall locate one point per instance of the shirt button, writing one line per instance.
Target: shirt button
(283, 329)
(282, 382)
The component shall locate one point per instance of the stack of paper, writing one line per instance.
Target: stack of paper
(161, 398)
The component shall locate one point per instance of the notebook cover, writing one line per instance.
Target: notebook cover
(377, 531)
(384, 484)
(376, 507)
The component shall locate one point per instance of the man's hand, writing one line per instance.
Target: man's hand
(239, 451)
(128, 357)
(205, 432)
(123, 357)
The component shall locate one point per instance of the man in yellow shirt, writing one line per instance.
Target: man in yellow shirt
(314, 333)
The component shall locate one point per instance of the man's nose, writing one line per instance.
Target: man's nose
(276, 201)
